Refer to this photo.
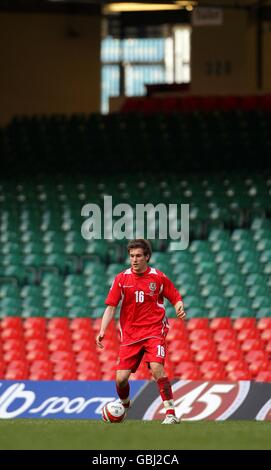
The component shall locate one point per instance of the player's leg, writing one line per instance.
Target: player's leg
(128, 362)
(165, 391)
(155, 355)
(123, 387)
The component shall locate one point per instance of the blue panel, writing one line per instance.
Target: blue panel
(58, 400)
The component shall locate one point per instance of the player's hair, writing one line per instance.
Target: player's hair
(140, 243)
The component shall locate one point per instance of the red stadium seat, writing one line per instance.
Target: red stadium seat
(58, 322)
(230, 355)
(107, 355)
(41, 375)
(58, 333)
(89, 375)
(37, 355)
(175, 334)
(60, 345)
(13, 355)
(13, 345)
(190, 103)
(180, 355)
(196, 335)
(252, 345)
(206, 355)
(12, 333)
(263, 376)
(211, 365)
(253, 356)
(84, 345)
(237, 375)
(228, 103)
(202, 344)
(197, 323)
(242, 323)
(184, 367)
(177, 344)
(35, 323)
(264, 323)
(266, 335)
(83, 334)
(41, 365)
(36, 344)
(34, 333)
(86, 355)
(227, 344)
(214, 375)
(265, 102)
(65, 375)
(238, 364)
(81, 324)
(64, 366)
(58, 356)
(191, 375)
(268, 347)
(110, 365)
(224, 335)
(249, 102)
(17, 370)
(248, 333)
(16, 374)
(209, 103)
(11, 322)
(88, 365)
(222, 323)
(257, 366)
(96, 323)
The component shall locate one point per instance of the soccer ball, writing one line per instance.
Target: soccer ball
(113, 412)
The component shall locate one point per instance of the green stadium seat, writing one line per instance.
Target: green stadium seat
(242, 312)
(195, 312)
(236, 302)
(261, 301)
(263, 312)
(258, 290)
(206, 279)
(235, 290)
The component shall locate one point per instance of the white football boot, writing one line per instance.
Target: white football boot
(171, 419)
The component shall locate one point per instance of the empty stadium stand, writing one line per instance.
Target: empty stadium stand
(53, 282)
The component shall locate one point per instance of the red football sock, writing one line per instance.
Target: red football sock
(166, 394)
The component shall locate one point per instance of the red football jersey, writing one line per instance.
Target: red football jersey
(142, 313)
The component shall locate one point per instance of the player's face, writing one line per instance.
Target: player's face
(139, 262)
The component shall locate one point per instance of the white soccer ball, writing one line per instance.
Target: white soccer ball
(113, 412)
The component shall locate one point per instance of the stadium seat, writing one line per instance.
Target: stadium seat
(263, 376)
(237, 375)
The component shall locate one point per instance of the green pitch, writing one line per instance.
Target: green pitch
(82, 434)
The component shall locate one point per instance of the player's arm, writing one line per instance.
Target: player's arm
(107, 317)
(173, 295)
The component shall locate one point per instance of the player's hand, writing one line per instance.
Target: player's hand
(180, 311)
(99, 340)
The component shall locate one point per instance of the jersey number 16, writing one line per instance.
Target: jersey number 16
(139, 296)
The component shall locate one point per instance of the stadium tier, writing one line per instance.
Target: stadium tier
(190, 141)
(199, 349)
(53, 282)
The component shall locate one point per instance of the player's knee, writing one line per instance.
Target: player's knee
(157, 371)
(122, 379)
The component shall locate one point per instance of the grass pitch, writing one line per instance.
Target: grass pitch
(26, 434)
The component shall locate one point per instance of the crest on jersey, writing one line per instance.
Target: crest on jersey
(152, 286)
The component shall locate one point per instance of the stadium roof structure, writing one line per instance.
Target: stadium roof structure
(113, 6)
